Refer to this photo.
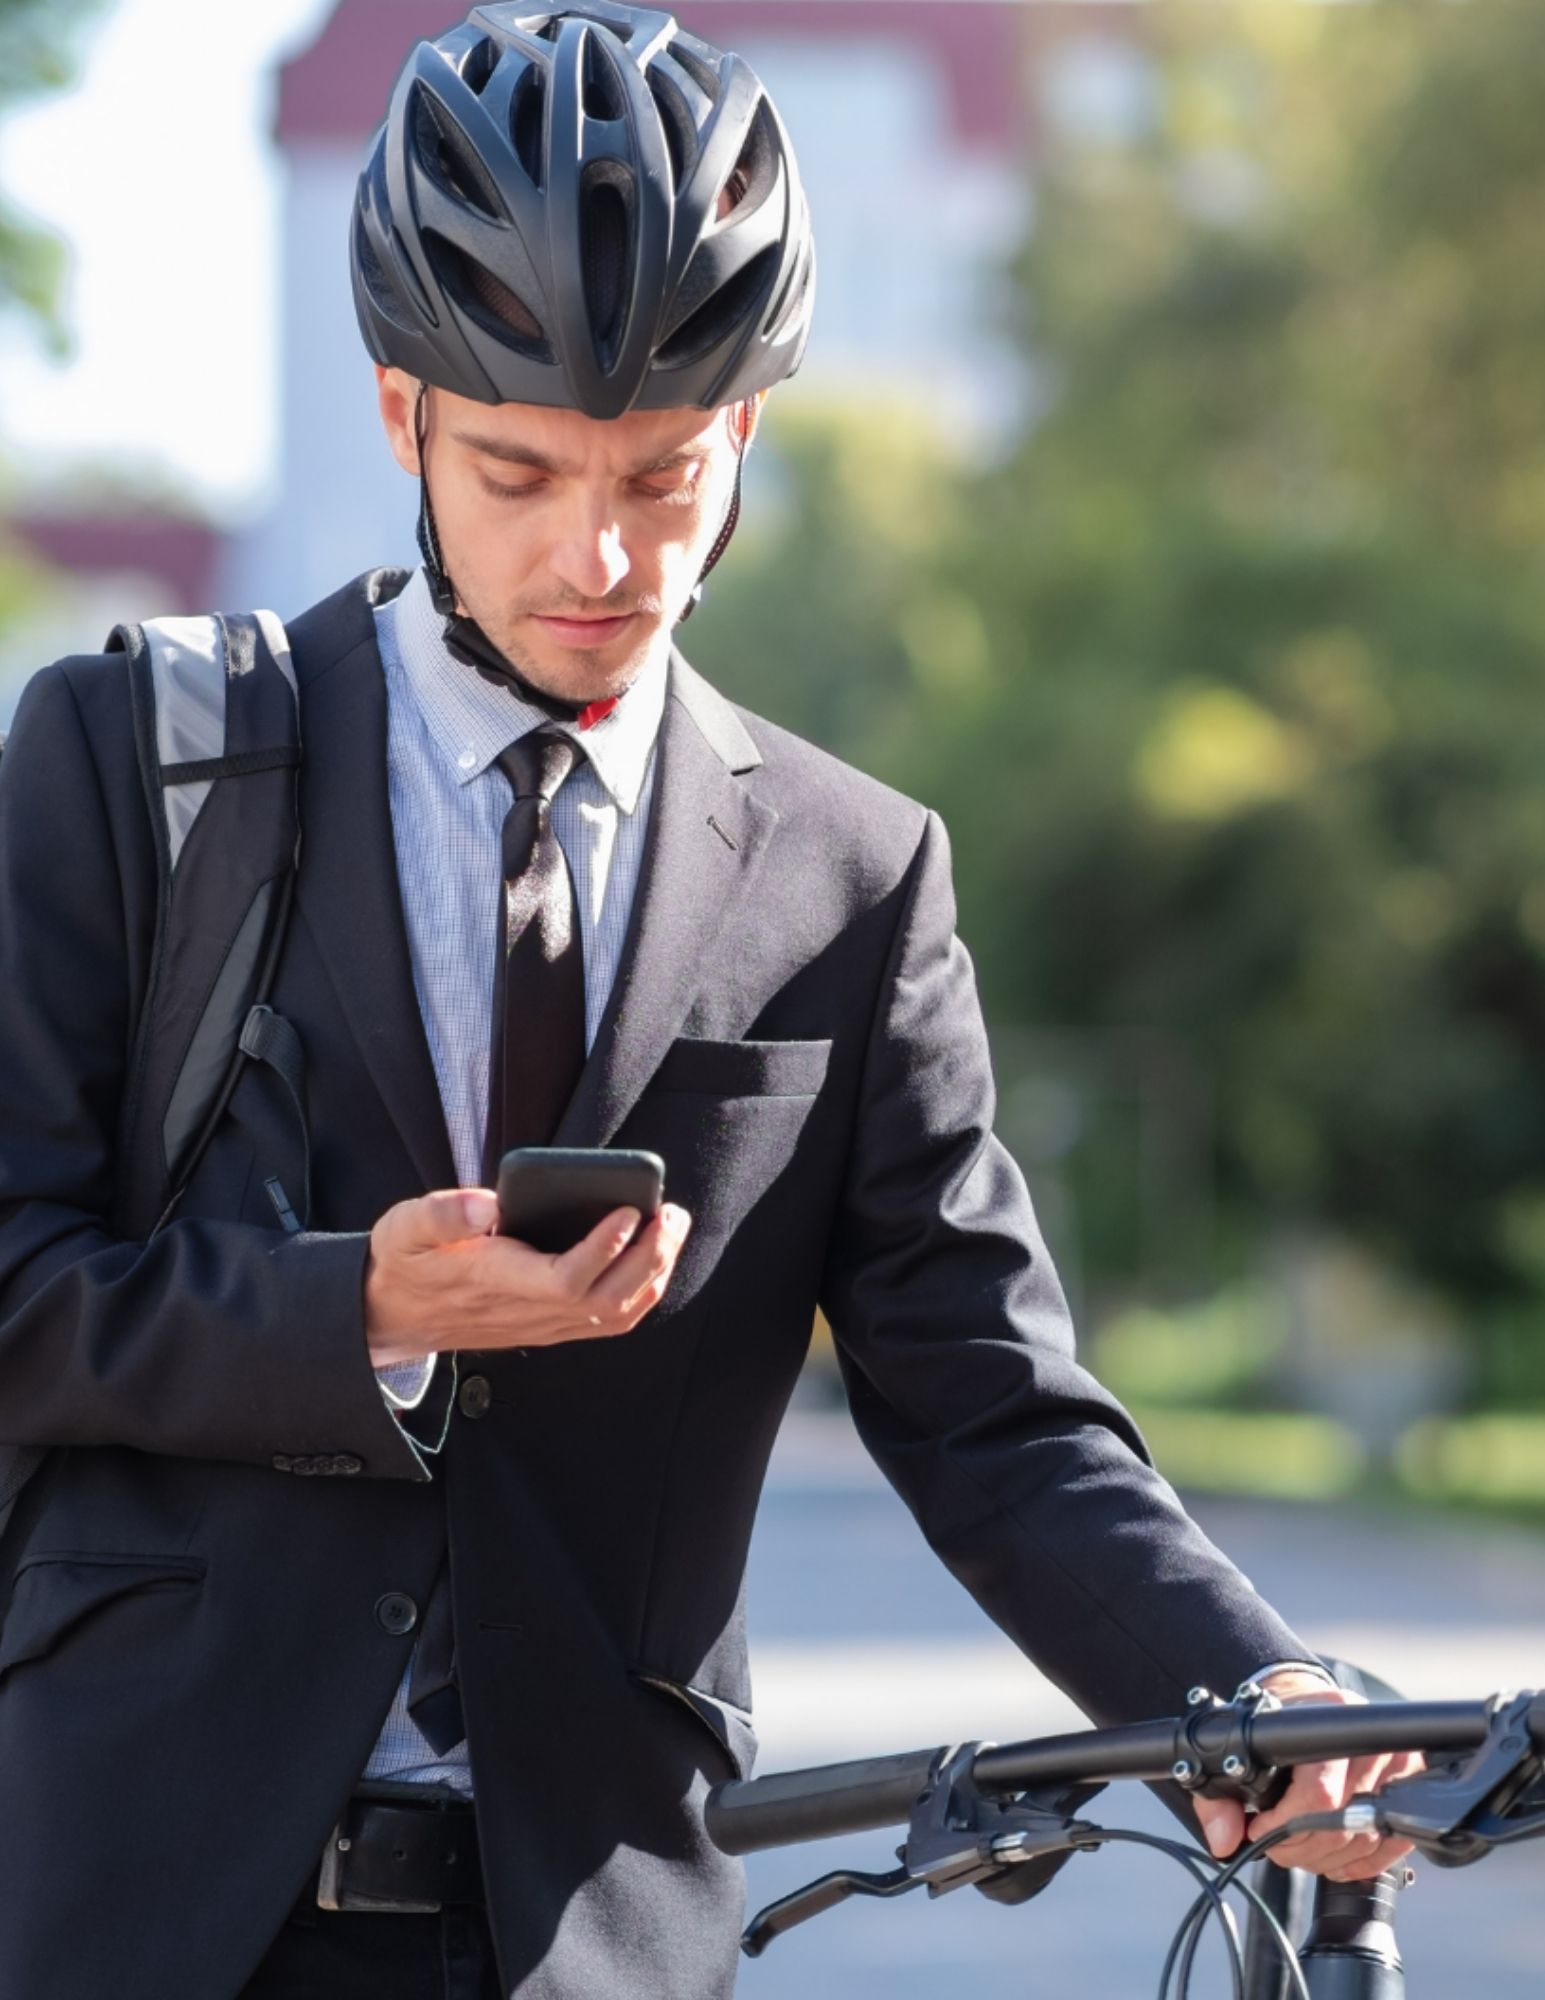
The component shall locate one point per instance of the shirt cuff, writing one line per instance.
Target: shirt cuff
(1315, 1667)
(405, 1384)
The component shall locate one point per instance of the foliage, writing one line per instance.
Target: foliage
(1214, 1353)
(1489, 1459)
(36, 54)
(1229, 681)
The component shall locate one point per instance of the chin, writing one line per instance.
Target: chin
(582, 675)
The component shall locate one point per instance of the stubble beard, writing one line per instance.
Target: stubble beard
(587, 678)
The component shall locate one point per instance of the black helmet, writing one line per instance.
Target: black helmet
(583, 207)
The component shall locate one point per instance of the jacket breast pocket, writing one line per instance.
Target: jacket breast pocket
(744, 1069)
(55, 1594)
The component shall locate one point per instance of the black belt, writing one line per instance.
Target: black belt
(401, 1848)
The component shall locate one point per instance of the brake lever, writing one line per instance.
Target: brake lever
(1457, 1811)
(815, 1899)
(956, 1835)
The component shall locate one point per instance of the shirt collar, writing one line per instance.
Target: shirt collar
(471, 720)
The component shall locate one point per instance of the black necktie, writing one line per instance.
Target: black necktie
(537, 1050)
(538, 1044)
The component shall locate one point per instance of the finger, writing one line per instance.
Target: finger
(450, 1215)
(1313, 1788)
(1387, 1854)
(1222, 1823)
(573, 1274)
(1366, 1774)
(1315, 1853)
(672, 1233)
(1347, 1861)
(647, 1266)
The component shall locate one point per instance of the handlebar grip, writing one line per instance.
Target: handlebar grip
(790, 1806)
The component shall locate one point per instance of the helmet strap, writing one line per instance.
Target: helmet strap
(747, 414)
(465, 639)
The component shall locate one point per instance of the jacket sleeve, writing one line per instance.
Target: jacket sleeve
(215, 1340)
(1029, 1480)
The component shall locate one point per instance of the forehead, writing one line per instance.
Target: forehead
(572, 442)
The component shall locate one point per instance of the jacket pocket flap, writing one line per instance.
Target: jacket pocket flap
(745, 1069)
(730, 1726)
(54, 1593)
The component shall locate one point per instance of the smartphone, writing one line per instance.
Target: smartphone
(551, 1196)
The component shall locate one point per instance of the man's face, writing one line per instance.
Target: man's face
(574, 542)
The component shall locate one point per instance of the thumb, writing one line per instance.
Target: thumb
(1222, 1823)
(451, 1216)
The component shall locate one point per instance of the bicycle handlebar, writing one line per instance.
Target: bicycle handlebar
(791, 1806)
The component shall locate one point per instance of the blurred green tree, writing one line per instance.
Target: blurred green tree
(1230, 682)
(36, 54)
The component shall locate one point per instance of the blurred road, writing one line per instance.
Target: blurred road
(862, 1642)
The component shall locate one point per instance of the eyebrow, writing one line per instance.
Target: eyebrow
(511, 453)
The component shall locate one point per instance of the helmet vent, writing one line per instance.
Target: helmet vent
(448, 158)
(527, 120)
(383, 294)
(703, 74)
(680, 134)
(479, 65)
(754, 172)
(605, 227)
(486, 299)
(601, 98)
(721, 313)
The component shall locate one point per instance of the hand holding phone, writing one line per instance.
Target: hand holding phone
(440, 1276)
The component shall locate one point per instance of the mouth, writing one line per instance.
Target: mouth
(589, 632)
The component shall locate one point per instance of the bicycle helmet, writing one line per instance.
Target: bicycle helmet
(586, 208)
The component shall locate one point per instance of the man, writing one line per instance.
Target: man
(445, 1724)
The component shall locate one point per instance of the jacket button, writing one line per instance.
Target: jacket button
(346, 1462)
(476, 1396)
(396, 1613)
(303, 1465)
(283, 1463)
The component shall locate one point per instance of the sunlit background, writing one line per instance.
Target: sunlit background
(1163, 500)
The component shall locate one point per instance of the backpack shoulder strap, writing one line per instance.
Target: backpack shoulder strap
(214, 699)
(217, 733)
(217, 729)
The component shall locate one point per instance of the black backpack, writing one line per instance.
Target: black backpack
(217, 736)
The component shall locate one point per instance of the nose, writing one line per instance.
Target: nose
(588, 555)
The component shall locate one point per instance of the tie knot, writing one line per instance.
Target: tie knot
(537, 764)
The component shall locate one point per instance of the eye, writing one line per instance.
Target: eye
(673, 482)
(521, 492)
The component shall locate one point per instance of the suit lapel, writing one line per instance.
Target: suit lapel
(347, 888)
(706, 839)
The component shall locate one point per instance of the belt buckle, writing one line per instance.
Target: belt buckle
(332, 1894)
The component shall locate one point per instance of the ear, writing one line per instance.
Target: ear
(397, 395)
(746, 416)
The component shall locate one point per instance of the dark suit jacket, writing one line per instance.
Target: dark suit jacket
(193, 1667)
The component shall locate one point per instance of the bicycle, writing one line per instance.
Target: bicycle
(1005, 1818)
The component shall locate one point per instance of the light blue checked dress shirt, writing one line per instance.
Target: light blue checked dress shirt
(445, 726)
